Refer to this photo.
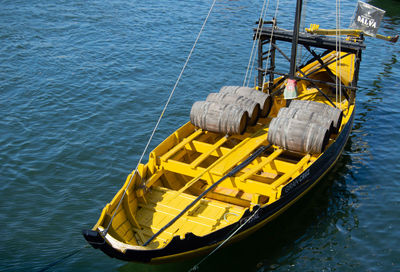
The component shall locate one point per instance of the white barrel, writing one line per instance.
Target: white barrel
(323, 109)
(263, 99)
(252, 108)
(307, 115)
(220, 118)
(297, 135)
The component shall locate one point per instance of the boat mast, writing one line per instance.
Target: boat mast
(296, 28)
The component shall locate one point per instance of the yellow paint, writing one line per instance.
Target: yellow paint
(188, 161)
(314, 28)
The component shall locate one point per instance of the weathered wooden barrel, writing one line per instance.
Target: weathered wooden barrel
(221, 118)
(297, 135)
(263, 99)
(307, 115)
(323, 109)
(252, 108)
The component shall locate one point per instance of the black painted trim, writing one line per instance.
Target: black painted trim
(310, 39)
(192, 242)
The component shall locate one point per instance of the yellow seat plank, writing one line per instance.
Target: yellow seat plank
(203, 147)
(205, 155)
(180, 145)
(240, 152)
(291, 172)
(249, 186)
(203, 218)
(254, 170)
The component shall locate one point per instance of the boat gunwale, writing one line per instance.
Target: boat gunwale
(192, 243)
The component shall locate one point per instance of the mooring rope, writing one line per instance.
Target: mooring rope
(104, 232)
(196, 266)
(72, 253)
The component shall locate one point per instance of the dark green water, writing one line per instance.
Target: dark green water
(81, 86)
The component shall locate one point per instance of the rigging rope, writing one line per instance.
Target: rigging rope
(104, 232)
(251, 63)
(258, 33)
(302, 26)
(253, 54)
(270, 43)
(338, 45)
(252, 57)
(340, 59)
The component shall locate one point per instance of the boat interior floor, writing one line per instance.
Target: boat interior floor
(164, 204)
(189, 161)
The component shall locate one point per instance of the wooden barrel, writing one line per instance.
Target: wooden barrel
(297, 135)
(263, 99)
(323, 109)
(307, 115)
(220, 118)
(252, 108)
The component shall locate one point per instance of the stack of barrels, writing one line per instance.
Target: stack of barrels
(230, 110)
(305, 126)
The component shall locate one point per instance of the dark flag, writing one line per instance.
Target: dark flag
(367, 18)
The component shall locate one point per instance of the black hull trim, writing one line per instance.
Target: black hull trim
(193, 244)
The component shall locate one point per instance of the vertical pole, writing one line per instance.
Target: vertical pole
(296, 28)
(272, 65)
(357, 62)
(260, 64)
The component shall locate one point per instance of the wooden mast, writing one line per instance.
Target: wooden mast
(296, 28)
(290, 91)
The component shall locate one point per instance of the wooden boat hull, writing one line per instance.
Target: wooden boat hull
(193, 245)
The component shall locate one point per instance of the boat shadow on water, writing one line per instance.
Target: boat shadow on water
(281, 241)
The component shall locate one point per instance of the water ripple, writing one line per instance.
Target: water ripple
(82, 85)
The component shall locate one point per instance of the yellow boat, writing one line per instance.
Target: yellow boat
(201, 188)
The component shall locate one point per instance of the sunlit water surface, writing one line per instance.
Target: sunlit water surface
(82, 84)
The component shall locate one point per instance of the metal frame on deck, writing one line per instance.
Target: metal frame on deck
(272, 34)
